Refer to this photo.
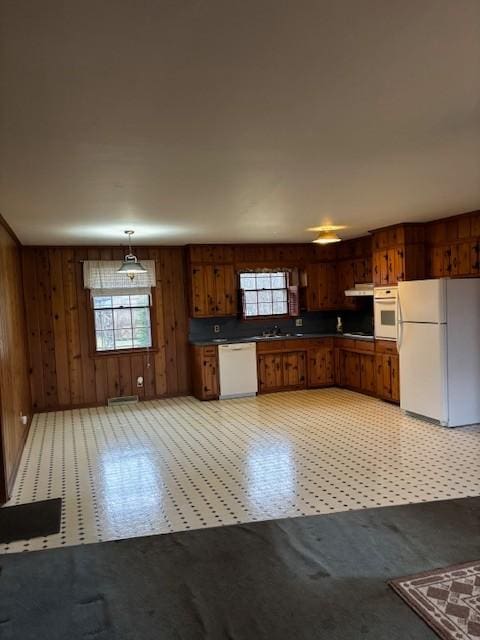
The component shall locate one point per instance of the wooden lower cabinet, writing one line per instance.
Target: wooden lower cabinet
(320, 366)
(387, 377)
(280, 371)
(205, 372)
(358, 365)
(356, 371)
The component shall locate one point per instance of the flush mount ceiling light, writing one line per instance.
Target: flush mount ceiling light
(327, 234)
(130, 265)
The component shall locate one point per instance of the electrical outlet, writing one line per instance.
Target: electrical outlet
(216, 328)
(24, 420)
(140, 381)
(299, 322)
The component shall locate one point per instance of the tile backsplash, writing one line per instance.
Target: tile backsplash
(313, 322)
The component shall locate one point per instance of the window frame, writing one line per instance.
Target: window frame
(287, 273)
(121, 352)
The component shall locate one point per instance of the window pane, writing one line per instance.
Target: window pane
(265, 309)
(263, 282)
(105, 340)
(122, 318)
(279, 295)
(280, 308)
(123, 339)
(121, 301)
(100, 302)
(141, 317)
(247, 281)
(142, 337)
(251, 310)
(279, 281)
(265, 296)
(251, 297)
(104, 319)
(140, 301)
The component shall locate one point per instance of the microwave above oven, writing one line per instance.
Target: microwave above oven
(385, 312)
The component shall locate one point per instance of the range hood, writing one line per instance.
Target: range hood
(360, 290)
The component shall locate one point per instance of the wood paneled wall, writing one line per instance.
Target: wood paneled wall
(64, 370)
(14, 385)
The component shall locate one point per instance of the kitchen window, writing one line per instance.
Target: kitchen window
(267, 294)
(122, 322)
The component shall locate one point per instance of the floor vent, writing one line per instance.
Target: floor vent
(114, 402)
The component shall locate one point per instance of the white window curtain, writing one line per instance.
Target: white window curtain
(103, 278)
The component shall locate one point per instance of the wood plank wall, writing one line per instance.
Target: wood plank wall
(64, 371)
(14, 384)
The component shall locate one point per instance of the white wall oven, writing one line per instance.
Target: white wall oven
(385, 312)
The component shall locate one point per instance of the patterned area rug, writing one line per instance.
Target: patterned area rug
(447, 599)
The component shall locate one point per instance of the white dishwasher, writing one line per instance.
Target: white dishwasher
(238, 370)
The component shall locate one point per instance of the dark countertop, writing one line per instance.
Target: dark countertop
(293, 336)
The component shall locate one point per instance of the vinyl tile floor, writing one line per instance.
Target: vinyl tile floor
(177, 464)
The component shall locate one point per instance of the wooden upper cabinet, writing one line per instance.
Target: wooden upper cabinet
(321, 286)
(398, 254)
(453, 246)
(213, 290)
(345, 280)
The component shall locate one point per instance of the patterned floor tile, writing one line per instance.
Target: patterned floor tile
(177, 464)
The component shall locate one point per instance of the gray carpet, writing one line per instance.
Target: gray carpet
(314, 577)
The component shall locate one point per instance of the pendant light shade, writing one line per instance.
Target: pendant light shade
(327, 237)
(130, 264)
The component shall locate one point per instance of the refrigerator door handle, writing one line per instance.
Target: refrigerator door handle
(399, 324)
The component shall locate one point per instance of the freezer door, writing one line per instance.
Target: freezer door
(423, 378)
(422, 301)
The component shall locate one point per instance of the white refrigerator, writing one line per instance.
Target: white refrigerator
(438, 340)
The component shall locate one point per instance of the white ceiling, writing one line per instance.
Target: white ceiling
(235, 120)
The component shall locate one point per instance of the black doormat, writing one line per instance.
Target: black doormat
(34, 520)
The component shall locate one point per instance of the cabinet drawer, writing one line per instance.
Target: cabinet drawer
(209, 351)
(324, 343)
(272, 345)
(386, 346)
(364, 345)
(345, 343)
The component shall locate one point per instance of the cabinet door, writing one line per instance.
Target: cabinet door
(399, 264)
(352, 369)
(199, 307)
(210, 289)
(210, 377)
(294, 369)
(313, 296)
(321, 286)
(331, 279)
(367, 373)
(464, 256)
(391, 257)
(320, 367)
(346, 280)
(379, 360)
(436, 262)
(450, 260)
(394, 378)
(270, 369)
(225, 291)
(475, 253)
(380, 267)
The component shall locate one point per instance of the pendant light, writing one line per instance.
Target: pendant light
(327, 237)
(130, 265)
(327, 234)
